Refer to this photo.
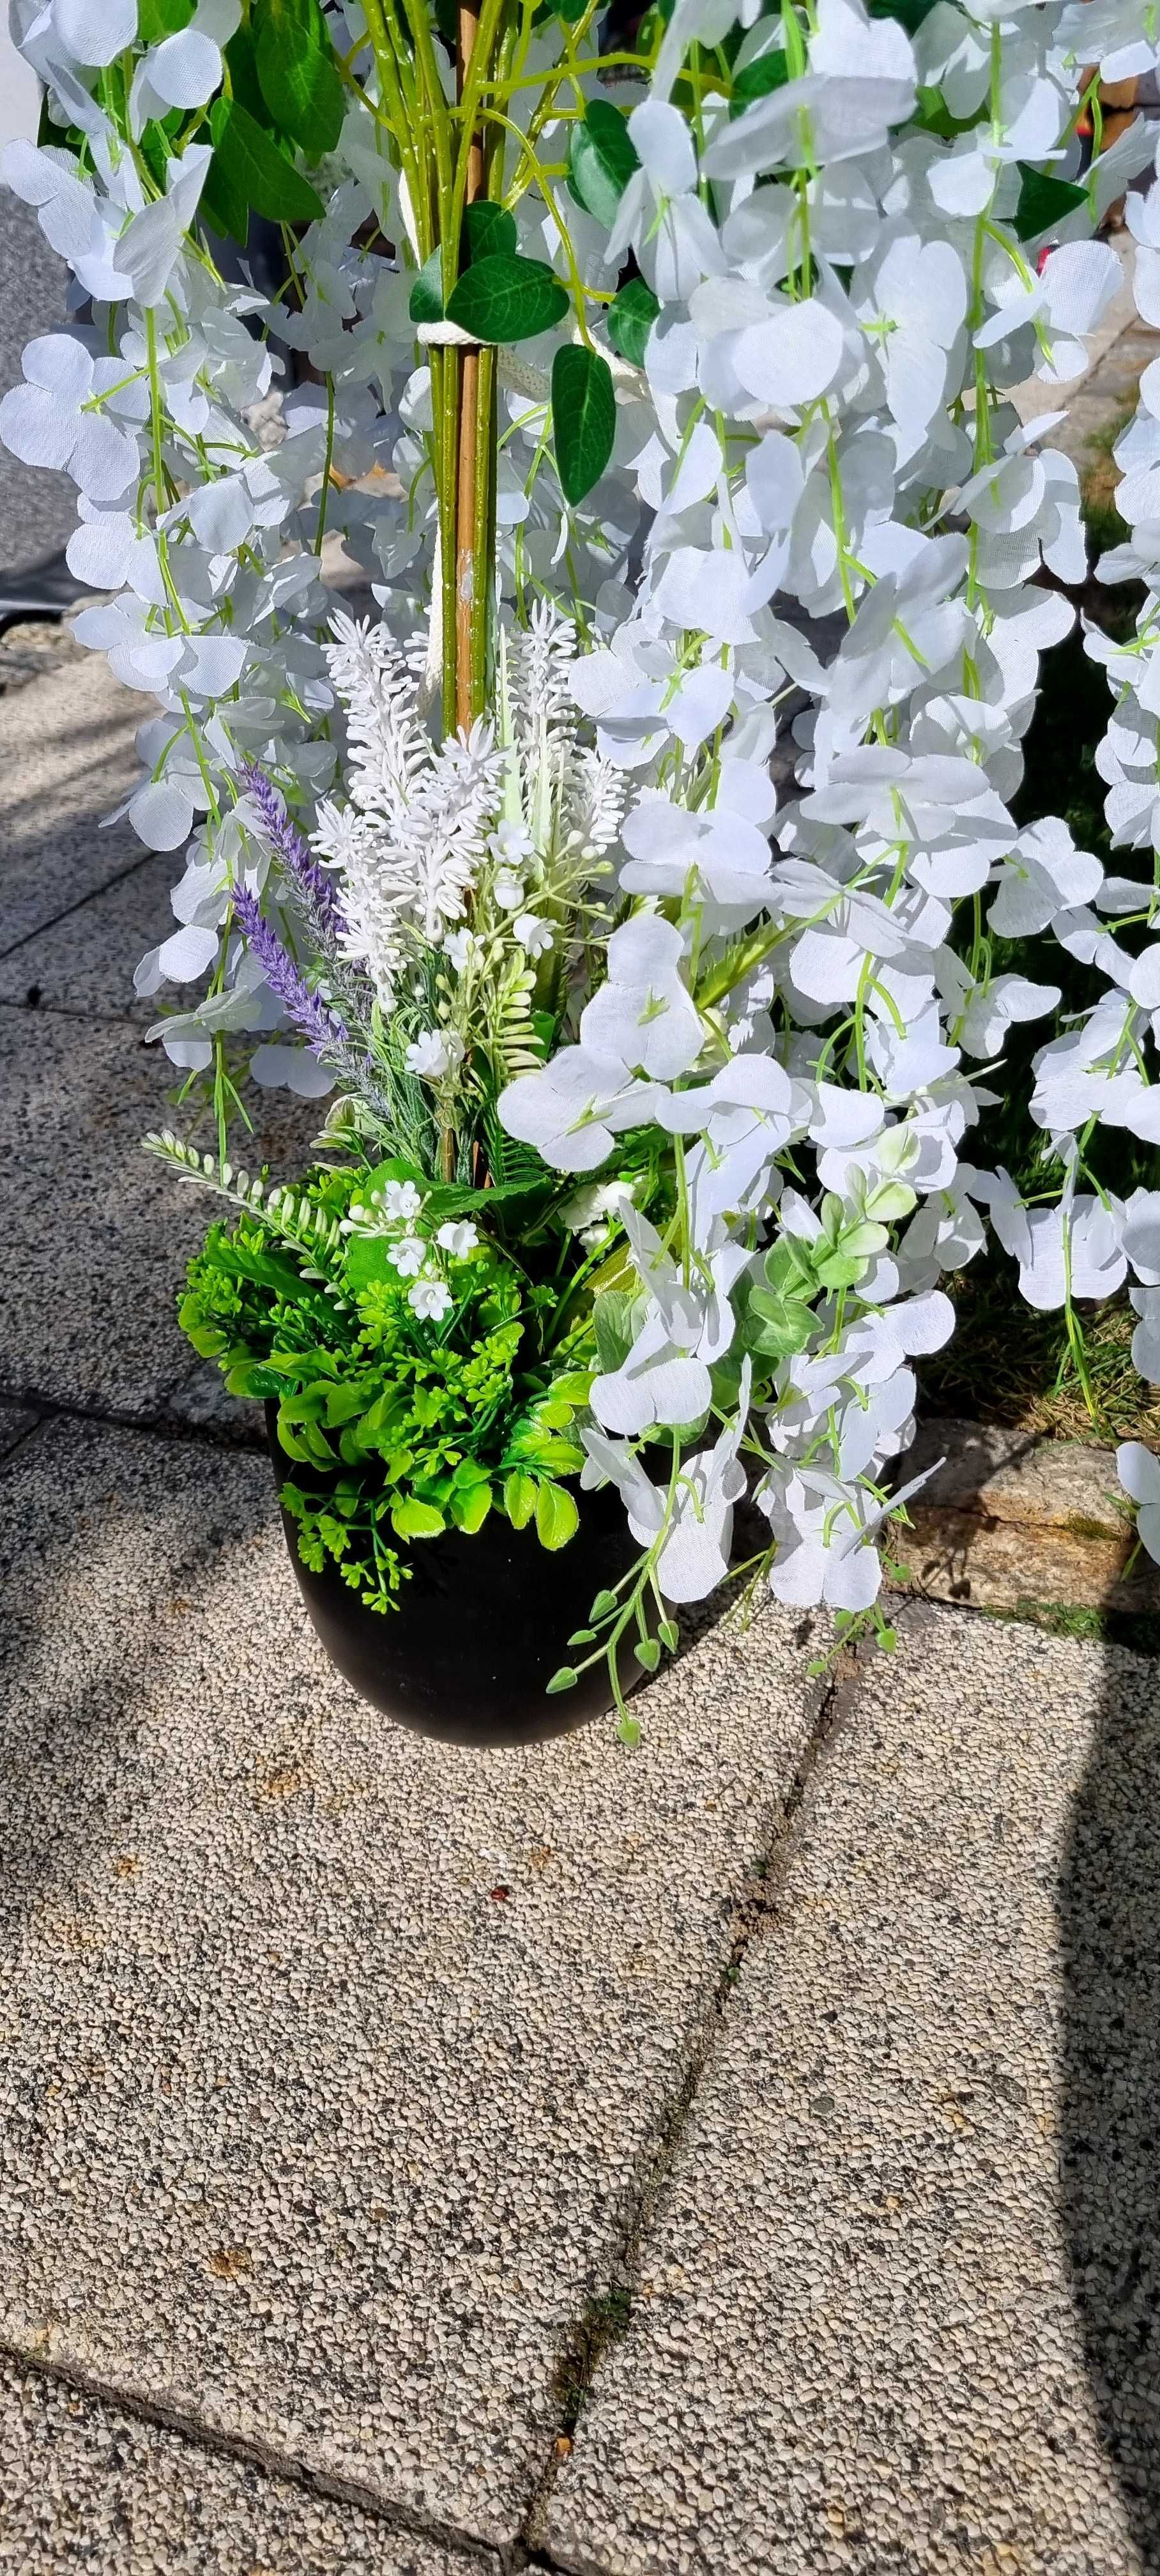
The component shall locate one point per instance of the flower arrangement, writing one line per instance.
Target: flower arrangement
(643, 888)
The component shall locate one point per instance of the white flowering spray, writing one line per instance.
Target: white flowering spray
(672, 875)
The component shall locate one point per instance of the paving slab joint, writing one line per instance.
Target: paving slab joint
(218, 2444)
(152, 1426)
(606, 2314)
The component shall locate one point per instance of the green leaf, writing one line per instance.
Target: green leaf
(786, 1322)
(769, 72)
(256, 169)
(157, 19)
(1044, 201)
(601, 157)
(631, 316)
(223, 205)
(469, 1509)
(934, 116)
(582, 1637)
(564, 1680)
(610, 1318)
(298, 73)
(837, 1272)
(242, 66)
(669, 1634)
(519, 1498)
(583, 419)
(648, 1653)
(489, 229)
(603, 1606)
(367, 1261)
(413, 1519)
(629, 1732)
(502, 298)
(556, 1516)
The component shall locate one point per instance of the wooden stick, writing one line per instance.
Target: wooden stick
(467, 571)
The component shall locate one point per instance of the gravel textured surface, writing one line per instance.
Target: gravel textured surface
(67, 759)
(864, 2328)
(327, 2056)
(16, 1421)
(84, 962)
(94, 1233)
(84, 2486)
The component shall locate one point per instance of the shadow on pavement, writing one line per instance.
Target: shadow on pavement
(1109, 1907)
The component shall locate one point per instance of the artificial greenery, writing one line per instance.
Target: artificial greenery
(402, 1424)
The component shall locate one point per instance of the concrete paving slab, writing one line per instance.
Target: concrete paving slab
(904, 2277)
(84, 962)
(85, 2486)
(37, 510)
(94, 1234)
(67, 760)
(328, 2057)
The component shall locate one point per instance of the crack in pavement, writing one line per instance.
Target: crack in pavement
(606, 2316)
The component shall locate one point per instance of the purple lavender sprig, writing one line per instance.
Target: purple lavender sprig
(321, 1027)
(304, 876)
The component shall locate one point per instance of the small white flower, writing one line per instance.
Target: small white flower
(458, 1239)
(401, 1199)
(509, 891)
(409, 1255)
(511, 844)
(430, 1297)
(532, 934)
(460, 946)
(434, 1053)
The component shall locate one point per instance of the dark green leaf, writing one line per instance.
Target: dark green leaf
(502, 298)
(257, 170)
(934, 116)
(223, 204)
(769, 72)
(425, 303)
(601, 157)
(243, 71)
(157, 19)
(909, 13)
(631, 316)
(583, 419)
(1044, 201)
(489, 229)
(297, 72)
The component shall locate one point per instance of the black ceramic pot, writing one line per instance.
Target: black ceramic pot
(482, 1625)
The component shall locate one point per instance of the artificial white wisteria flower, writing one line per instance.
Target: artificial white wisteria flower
(694, 891)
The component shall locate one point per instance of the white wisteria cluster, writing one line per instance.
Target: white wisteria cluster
(809, 583)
